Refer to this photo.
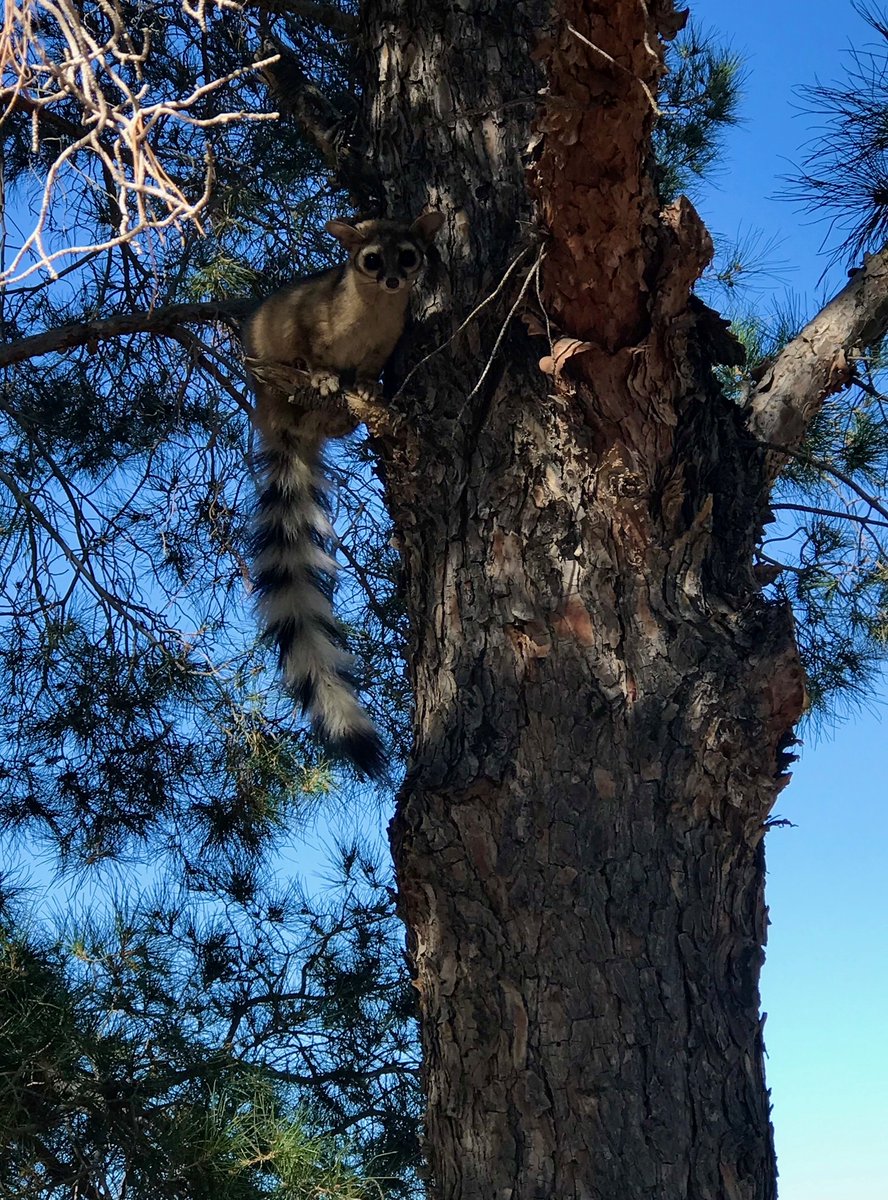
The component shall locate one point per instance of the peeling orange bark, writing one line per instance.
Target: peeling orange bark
(590, 175)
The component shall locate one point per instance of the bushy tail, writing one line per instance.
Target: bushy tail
(295, 578)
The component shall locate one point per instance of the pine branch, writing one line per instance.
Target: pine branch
(158, 320)
(129, 610)
(819, 361)
(843, 178)
(341, 23)
(830, 512)
(327, 127)
(831, 469)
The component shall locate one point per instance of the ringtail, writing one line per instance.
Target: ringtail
(341, 326)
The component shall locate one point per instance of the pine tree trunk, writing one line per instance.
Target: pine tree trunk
(603, 696)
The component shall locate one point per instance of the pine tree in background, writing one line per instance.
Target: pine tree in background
(223, 1034)
(182, 1047)
(605, 677)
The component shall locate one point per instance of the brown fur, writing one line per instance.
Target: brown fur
(344, 322)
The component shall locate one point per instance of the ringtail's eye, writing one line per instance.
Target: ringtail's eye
(372, 262)
(407, 259)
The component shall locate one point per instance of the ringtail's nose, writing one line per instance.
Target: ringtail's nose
(393, 283)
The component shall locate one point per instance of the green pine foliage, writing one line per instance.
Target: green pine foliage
(833, 520)
(181, 1049)
(843, 178)
(216, 1034)
(699, 98)
(828, 539)
(826, 545)
(834, 524)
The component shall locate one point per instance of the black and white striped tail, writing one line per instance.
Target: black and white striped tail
(295, 577)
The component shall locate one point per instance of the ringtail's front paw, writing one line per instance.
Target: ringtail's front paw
(367, 391)
(325, 382)
(364, 397)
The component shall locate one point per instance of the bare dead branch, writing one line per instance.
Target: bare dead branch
(118, 126)
(158, 320)
(819, 361)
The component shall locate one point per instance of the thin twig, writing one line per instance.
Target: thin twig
(619, 66)
(829, 469)
(829, 512)
(472, 315)
(502, 332)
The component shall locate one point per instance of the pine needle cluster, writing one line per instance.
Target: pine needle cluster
(843, 178)
(699, 99)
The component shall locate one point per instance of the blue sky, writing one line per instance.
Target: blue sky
(826, 976)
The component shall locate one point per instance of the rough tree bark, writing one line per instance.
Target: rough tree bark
(605, 699)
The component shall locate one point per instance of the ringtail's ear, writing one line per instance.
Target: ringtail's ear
(427, 225)
(346, 233)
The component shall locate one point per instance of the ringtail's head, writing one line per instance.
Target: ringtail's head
(387, 254)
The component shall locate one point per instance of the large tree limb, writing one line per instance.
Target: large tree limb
(819, 361)
(158, 320)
